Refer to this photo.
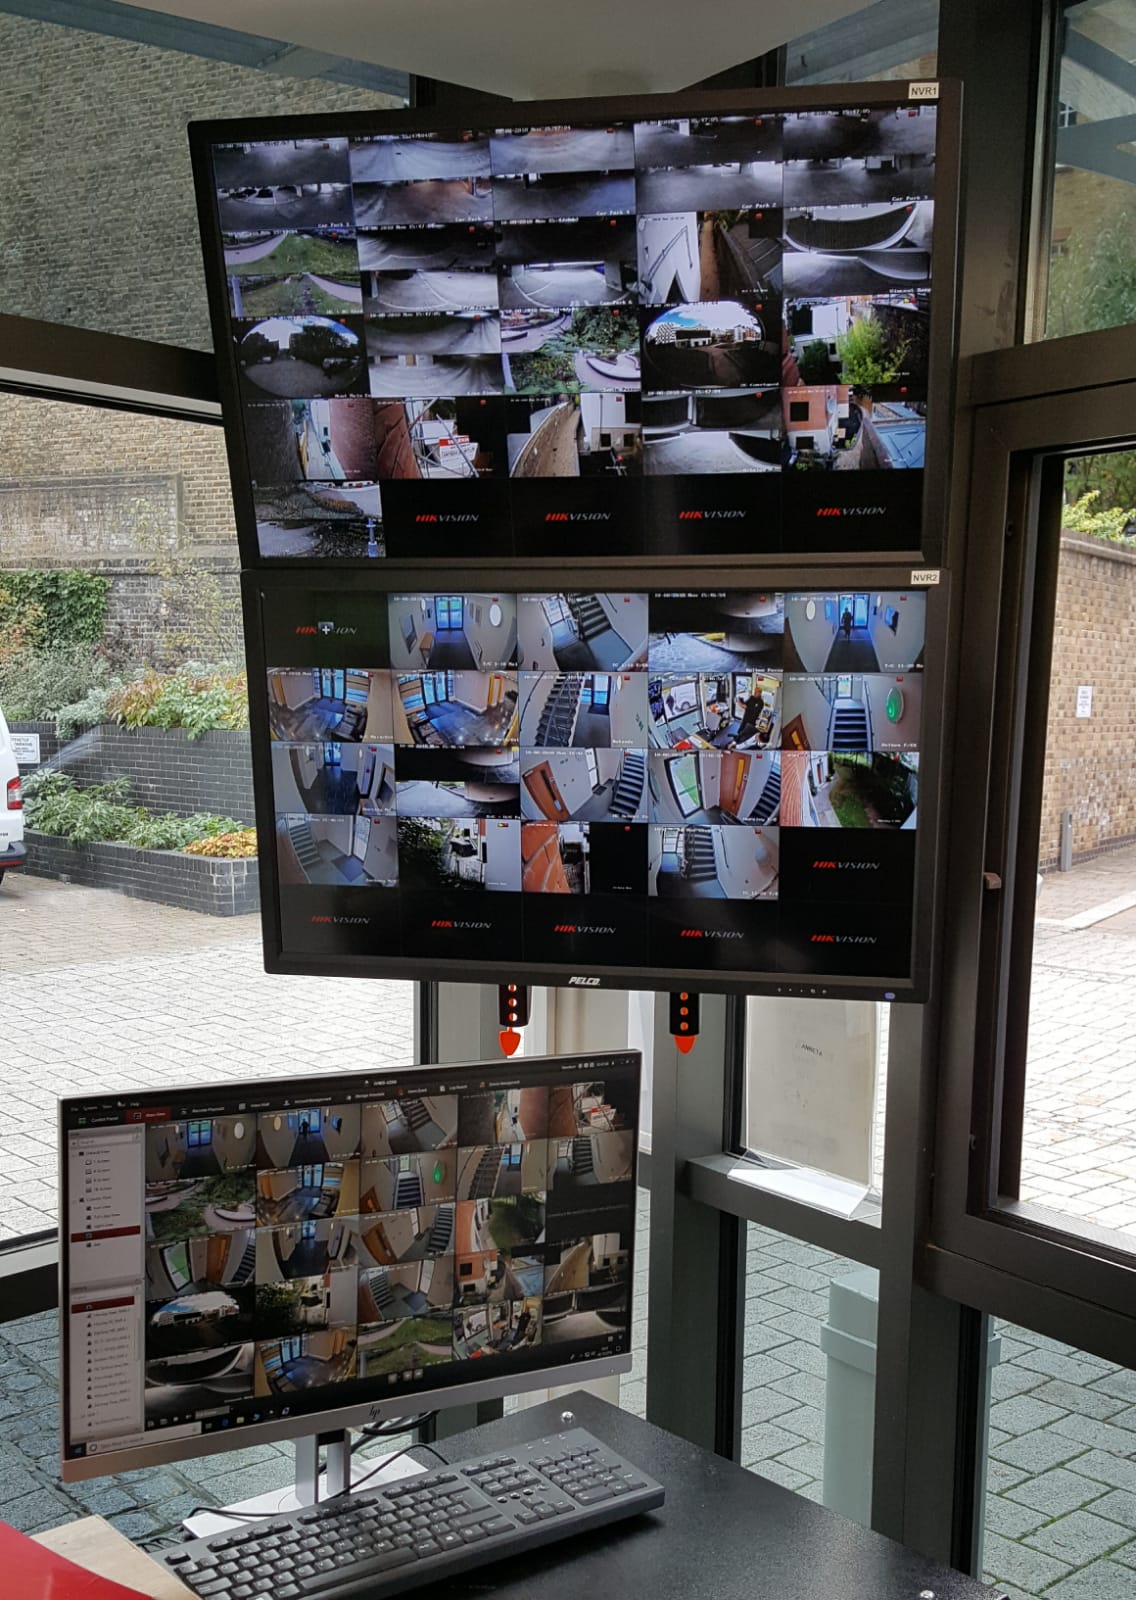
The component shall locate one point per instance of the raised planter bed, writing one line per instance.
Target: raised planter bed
(168, 770)
(196, 883)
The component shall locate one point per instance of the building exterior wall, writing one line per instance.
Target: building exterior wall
(100, 227)
(1089, 761)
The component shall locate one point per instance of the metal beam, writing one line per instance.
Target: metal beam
(78, 364)
(167, 32)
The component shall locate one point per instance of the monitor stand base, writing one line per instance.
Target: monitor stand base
(313, 1484)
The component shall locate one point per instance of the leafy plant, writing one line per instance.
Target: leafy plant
(1094, 284)
(237, 846)
(813, 362)
(866, 358)
(54, 804)
(67, 607)
(1114, 523)
(196, 701)
(37, 683)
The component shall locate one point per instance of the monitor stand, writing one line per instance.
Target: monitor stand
(313, 1483)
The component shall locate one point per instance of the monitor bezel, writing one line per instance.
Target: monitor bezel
(808, 573)
(166, 1450)
(947, 98)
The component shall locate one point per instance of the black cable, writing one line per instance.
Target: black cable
(390, 1430)
(264, 1516)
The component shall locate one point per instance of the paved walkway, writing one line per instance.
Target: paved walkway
(98, 991)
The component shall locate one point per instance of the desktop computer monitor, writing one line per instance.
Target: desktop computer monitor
(248, 1262)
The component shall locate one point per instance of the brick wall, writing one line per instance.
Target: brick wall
(100, 223)
(167, 770)
(1089, 762)
(195, 883)
(143, 500)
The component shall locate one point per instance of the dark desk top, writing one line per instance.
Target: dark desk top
(723, 1534)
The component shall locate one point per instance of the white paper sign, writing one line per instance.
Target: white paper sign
(25, 748)
(1085, 700)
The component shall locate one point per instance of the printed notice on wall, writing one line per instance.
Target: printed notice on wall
(811, 1073)
(1084, 700)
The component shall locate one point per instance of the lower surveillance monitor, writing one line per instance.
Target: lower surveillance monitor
(249, 1262)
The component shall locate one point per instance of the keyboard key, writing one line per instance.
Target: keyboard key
(592, 1497)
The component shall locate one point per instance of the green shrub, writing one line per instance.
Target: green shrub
(1112, 523)
(35, 685)
(866, 359)
(54, 804)
(814, 365)
(196, 701)
(60, 607)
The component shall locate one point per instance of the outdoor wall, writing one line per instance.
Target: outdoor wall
(167, 770)
(141, 500)
(1089, 762)
(101, 228)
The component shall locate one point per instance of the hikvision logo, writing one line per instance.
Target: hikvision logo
(851, 511)
(709, 933)
(844, 938)
(309, 628)
(448, 516)
(577, 516)
(586, 983)
(580, 927)
(846, 866)
(342, 922)
(446, 922)
(709, 516)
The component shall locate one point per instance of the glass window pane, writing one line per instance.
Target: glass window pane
(808, 1393)
(1079, 1129)
(890, 39)
(815, 1087)
(1060, 1505)
(1092, 270)
(101, 228)
(97, 987)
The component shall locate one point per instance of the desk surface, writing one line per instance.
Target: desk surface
(723, 1534)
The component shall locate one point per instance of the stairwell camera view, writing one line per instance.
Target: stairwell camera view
(360, 1235)
(626, 770)
(763, 279)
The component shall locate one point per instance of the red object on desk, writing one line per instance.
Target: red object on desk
(34, 1573)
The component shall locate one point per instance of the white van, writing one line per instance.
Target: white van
(13, 852)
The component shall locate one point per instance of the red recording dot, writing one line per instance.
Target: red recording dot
(684, 997)
(683, 1027)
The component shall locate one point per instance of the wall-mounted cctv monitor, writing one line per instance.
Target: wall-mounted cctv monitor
(659, 326)
(244, 1262)
(701, 779)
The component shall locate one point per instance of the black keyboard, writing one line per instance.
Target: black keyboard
(421, 1529)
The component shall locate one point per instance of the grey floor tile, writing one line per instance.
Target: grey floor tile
(1023, 1414)
(787, 1477)
(1009, 1518)
(1036, 1452)
(1078, 1538)
(1076, 1397)
(1029, 1569)
(1120, 1506)
(1056, 1493)
(806, 1458)
(1104, 1580)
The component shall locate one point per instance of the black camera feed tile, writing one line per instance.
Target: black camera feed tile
(456, 925)
(329, 923)
(699, 935)
(855, 938)
(852, 867)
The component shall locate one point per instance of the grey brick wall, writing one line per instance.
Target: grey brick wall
(101, 222)
(168, 771)
(49, 741)
(195, 883)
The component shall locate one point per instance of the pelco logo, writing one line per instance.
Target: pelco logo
(851, 511)
(710, 516)
(709, 933)
(447, 922)
(343, 922)
(580, 927)
(448, 516)
(844, 938)
(577, 516)
(586, 983)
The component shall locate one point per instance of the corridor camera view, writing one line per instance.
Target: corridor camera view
(300, 356)
(716, 344)
(684, 269)
(353, 1237)
(622, 749)
(728, 430)
(334, 779)
(708, 255)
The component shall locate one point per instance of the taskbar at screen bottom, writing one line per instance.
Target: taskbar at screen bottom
(860, 939)
(522, 1368)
